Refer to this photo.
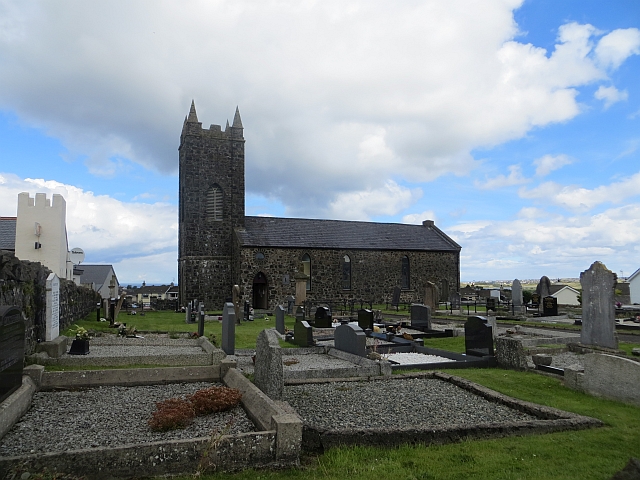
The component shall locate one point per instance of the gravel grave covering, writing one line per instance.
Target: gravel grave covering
(407, 402)
(139, 351)
(410, 358)
(315, 361)
(108, 417)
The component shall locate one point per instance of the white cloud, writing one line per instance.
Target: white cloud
(418, 218)
(329, 91)
(363, 205)
(548, 163)
(108, 230)
(582, 199)
(610, 95)
(615, 47)
(515, 177)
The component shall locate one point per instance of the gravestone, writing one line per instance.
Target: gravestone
(395, 300)
(303, 334)
(535, 299)
(12, 333)
(431, 296)
(351, 339)
(598, 307)
(235, 292)
(420, 316)
(187, 318)
(478, 337)
(291, 300)
(491, 304)
(52, 330)
(280, 319)
(299, 314)
(228, 329)
(201, 320)
(550, 306)
(323, 318)
(516, 293)
(544, 286)
(365, 319)
(269, 372)
(454, 298)
(247, 310)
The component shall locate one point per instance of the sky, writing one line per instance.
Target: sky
(514, 125)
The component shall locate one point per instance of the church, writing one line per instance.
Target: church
(219, 246)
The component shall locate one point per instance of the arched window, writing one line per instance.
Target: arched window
(214, 204)
(346, 273)
(405, 273)
(306, 265)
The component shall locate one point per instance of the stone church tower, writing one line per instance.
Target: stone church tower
(211, 196)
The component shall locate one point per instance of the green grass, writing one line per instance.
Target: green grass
(171, 322)
(587, 454)
(451, 344)
(627, 347)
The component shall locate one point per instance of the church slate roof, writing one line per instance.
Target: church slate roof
(339, 234)
(7, 233)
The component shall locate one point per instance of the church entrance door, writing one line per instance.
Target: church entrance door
(260, 300)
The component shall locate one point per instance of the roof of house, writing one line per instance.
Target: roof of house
(339, 234)
(96, 274)
(152, 289)
(8, 233)
(633, 275)
(556, 287)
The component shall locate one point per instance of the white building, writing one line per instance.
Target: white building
(634, 287)
(565, 294)
(101, 278)
(41, 233)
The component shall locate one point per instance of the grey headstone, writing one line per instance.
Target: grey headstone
(52, 330)
(303, 334)
(12, 333)
(420, 316)
(228, 329)
(543, 288)
(516, 293)
(280, 319)
(365, 319)
(395, 300)
(431, 296)
(269, 372)
(454, 298)
(299, 314)
(350, 338)
(291, 301)
(598, 307)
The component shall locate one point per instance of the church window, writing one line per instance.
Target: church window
(405, 273)
(214, 204)
(259, 256)
(306, 265)
(346, 273)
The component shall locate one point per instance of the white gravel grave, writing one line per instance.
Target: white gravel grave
(412, 358)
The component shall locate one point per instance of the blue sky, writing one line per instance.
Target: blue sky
(514, 125)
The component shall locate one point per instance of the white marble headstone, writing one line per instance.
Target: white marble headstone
(53, 307)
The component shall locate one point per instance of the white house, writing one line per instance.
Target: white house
(41, 233)
(565, 294)
(101, 278)
(634, 287)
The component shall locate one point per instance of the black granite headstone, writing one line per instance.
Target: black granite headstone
(395, 301)
(478, 337)
(12, 333)
(420, 316)
(550, 306)
(323, 318)
(303, 334)
(491, 304)
(365, 319)
(535, 299)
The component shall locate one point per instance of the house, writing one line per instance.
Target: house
(219, 247)
(634, 287)
(147, 294)
(101, 278)
(565, 294)
(8, 233)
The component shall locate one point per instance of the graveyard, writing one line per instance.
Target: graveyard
(330, 393)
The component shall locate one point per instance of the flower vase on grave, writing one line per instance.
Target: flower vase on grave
(79, 347)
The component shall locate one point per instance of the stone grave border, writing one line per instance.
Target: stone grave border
(52, 353)
(549, 420)
(276, 443)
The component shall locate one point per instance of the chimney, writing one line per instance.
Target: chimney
(427, 223)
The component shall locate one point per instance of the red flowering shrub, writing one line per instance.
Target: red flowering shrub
(171, 414)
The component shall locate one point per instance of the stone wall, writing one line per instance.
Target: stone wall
(374, 273)
(23, 284)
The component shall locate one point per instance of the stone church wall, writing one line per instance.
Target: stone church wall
(374, 274)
